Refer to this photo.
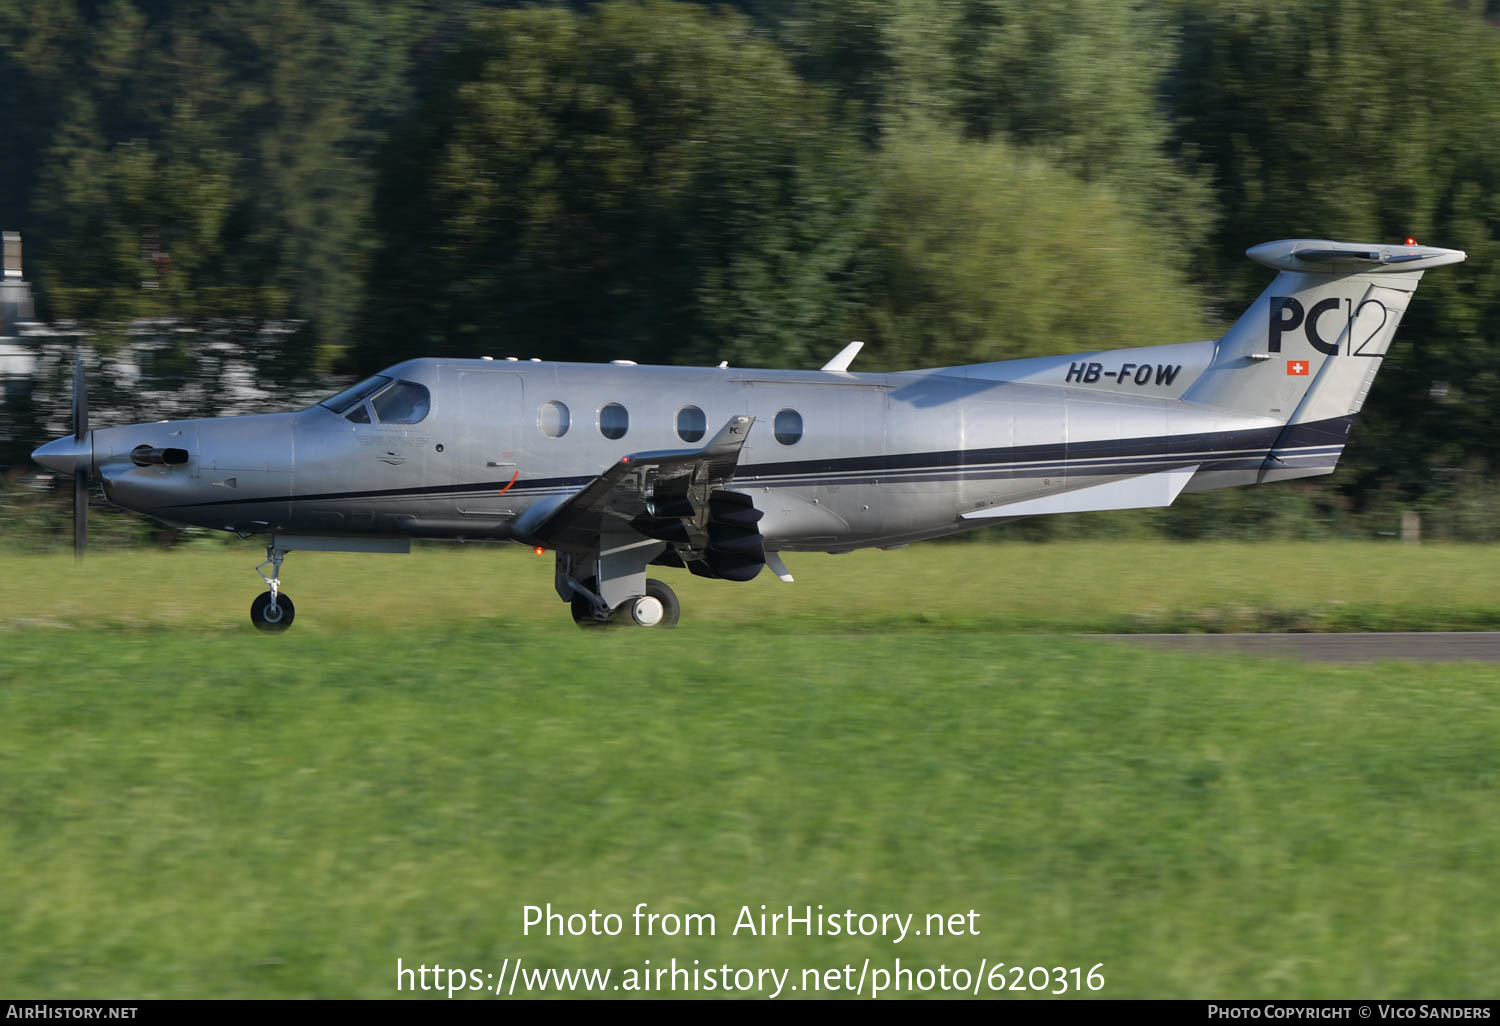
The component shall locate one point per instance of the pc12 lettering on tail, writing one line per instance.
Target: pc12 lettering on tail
(1141, 374)
(1361, 326)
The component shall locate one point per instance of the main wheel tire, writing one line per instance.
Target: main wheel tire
(657, 608)
(583, 609)
(268, 621)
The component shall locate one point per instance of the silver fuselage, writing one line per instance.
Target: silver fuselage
(882, 459)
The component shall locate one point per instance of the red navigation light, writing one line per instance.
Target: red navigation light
(1410, 241)
(624, 459)
(539, 551)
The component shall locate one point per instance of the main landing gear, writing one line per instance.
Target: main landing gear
(609, 588)
(657, 608)
(272, 611)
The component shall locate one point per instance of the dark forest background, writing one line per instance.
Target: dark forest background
(334, 185)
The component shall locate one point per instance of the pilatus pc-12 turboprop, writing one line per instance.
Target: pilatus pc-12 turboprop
(719, 470)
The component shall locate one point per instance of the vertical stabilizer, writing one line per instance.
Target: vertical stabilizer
(1307, 350)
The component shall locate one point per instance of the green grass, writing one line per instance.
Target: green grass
(1096, 586)
(190, 809)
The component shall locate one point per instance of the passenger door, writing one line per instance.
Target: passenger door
(489, 408)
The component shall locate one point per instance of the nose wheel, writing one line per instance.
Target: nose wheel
(272, 614)
(272, 611)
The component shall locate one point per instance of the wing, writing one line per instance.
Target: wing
(676, 496)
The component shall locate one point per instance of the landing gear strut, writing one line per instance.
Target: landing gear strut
(588, 609)
(272, 611)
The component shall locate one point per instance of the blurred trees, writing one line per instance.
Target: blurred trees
(989, 251)
(1078, 81)
(952, 180)
(1341, 119)
(198, 161)
(646, 181)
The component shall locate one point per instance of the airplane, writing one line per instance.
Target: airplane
(617, 468)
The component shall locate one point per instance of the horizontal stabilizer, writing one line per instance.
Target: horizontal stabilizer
(1323, 256)
(1159, 489)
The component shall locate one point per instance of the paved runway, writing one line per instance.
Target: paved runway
(1437, 646)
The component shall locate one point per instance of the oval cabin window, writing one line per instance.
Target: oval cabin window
(788, 427)
(691, 424)
(552, 418)
(614, 421)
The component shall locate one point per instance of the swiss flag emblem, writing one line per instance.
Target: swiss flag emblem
(1297, 368)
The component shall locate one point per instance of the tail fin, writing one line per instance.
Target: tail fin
(1307, 350)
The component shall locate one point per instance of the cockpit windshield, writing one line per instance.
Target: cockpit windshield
(354, 393)
(405, 402)
(394, 402)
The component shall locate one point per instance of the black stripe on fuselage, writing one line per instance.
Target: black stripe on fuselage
(481, 487)
(1082, 468)
(1328, 432)
(1105, 456)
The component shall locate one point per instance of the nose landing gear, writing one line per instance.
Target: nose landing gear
(272, 611)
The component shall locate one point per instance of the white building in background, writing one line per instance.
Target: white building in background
(17, 363)
(15, 293)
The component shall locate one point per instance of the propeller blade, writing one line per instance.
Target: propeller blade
(80, 399)
(81, 474)
(80, 512)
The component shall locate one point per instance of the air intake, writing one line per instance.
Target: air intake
(146, 456)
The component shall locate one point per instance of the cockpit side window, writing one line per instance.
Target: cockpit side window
(359, 415)
(354, 393)
(405, 402)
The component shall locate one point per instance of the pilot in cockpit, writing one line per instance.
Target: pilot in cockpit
(405, 402)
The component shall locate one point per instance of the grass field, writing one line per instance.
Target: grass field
(190, 809)
(1100, 586)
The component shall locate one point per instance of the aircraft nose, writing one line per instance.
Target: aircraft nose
(67, 455)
